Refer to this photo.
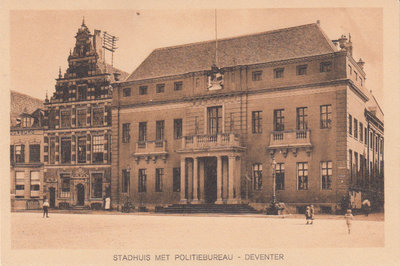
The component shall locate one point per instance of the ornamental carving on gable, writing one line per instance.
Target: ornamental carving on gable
(215, 78)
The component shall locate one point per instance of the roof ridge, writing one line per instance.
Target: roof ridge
(235, 37)
(24, 94)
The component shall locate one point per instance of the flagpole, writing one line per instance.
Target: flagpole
(216, 38)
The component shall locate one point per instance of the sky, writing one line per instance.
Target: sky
(40, 40)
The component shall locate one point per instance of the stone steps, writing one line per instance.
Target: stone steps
(208, 208)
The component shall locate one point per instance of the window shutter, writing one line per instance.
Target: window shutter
(23, 152)
(12, 153)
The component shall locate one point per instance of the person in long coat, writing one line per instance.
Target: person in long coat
(312, 211)
(107, 204)
(308, 214)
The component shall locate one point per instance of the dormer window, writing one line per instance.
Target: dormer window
(26, 121)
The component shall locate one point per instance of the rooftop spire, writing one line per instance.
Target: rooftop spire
(83, 21)
(59, 72)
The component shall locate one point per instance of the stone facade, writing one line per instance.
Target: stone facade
(187, 133)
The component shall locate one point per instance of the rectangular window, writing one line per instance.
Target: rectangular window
(34, 153)
(126, 176)
(20, 153)
(325, 66)
(355, 128)
(142, 180)
(160, 88)
(197, 82)
(81, 117)
(257, 176)
(326, 116)
(355, 73)
(279, 120)
(302, 176)
(361, 132)
(176, 182)
(159, 179)
(35, 184)
(301, 118)
(350, 70)
(278, 73)
(81, 149)
(350, 125)
(160, 130)
(326, 175)
(142, 131)
(97, 185)
(365, 136)
(12, 153)
(361, 80)
(65, 182)
(256, 75)
(351, 165)
(142, 90)
(98, 116)
(19, 184)
(126, 132)
(82, 92)
(256, 122)
(214, 120)
(280, 176)
(66, 150)
(65, 118)
(301, 70)
(177, 128)
(178, 86)
(356, 166)
(126, 92)
(52, 150)
(98, 149)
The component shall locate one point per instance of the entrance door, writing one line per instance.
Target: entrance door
(210, 179)
(52, 192)
(80, 193)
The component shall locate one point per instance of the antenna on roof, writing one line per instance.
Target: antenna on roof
(216, 39)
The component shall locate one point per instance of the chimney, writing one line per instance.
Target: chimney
(318, 22)
(361, 63)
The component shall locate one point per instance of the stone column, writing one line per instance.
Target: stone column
(183, 198)
(201, 177)
(195, 180)
(231, 178)
(219, 180)
(237, 178)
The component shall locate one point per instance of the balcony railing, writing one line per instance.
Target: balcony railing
(210, 141)
(151, 146)
(290, 138)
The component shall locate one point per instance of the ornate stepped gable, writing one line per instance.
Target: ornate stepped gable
(88, 77)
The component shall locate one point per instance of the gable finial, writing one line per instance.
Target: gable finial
(59, 72)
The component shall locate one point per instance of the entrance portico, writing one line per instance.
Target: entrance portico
(210, 173)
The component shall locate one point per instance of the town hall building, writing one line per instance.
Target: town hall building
(283, 115)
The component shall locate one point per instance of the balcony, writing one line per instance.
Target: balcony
(220, 141)
(151, 149)
(292, 139)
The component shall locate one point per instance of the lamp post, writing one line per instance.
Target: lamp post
(273, 180)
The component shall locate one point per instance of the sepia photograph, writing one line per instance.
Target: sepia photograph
(191, 135)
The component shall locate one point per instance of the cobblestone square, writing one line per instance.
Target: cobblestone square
(146, 231)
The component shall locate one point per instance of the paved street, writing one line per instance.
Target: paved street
(30, 230)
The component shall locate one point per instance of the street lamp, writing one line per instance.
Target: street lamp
(273, 180)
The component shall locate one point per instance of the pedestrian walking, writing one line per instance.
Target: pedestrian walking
(349, 217)
(46, 208)
(308, 214)
(312, 213)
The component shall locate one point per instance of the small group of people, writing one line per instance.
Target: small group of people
(310, 214)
